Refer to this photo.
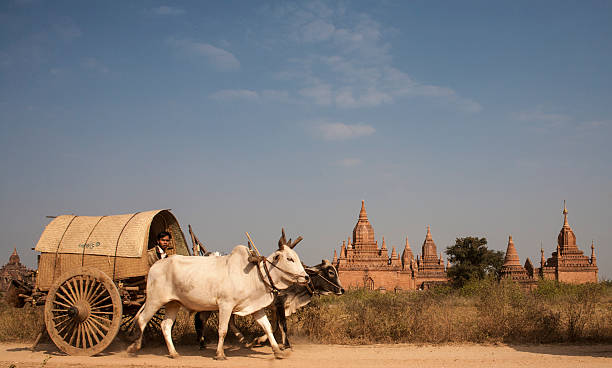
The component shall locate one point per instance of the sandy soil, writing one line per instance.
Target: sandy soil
(322, 356)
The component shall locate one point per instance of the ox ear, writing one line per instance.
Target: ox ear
(292, 245)
(326, 262)
(282, 241)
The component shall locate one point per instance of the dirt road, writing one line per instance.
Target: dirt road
(322, 356)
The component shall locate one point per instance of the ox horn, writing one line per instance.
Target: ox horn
(282, 241)
(292, 245)
(325, 262)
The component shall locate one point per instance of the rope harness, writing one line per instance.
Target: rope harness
(262, 262)
(326, 280)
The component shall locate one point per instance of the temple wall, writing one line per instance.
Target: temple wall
(578, 277)
(390, 280)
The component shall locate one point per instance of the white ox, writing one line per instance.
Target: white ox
(229, 284)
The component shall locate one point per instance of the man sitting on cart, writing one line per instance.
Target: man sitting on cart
(161, 248)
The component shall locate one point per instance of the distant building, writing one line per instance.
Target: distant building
(13, 270)
(567, 264)
(362, 264)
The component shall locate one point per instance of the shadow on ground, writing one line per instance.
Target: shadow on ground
(594, 350)
(119, 347)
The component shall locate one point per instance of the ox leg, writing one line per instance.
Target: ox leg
(262, 319)
(199, 321)
(225, 312)
(281, 323)
(142, 319)
(172, 309)
(235, 330)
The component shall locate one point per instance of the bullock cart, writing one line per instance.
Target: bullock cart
(92, 273)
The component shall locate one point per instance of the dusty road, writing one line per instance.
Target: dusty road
(321, 356)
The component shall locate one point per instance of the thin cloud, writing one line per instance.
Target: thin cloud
(220, 58)
(320, 93)
(234, 94)
(167, 10)
(349, 162)
(541, 116)
(594, 124)
(250, 95)
(341, 131)
(357, 69)
(94, 65)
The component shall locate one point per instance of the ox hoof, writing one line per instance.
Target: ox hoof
(281, 354)
(220, 357)
(132, 349)
(175, 356)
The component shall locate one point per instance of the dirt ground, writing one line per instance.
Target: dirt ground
(311, 355)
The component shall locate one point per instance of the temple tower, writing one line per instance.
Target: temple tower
(568, 263)
(407, 256)
(512, 266)
(429, 250)
(430, 267)
(14, 270)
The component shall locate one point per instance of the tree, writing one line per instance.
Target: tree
(471, 259)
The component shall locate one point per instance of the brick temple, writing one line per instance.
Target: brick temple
(567, 264)
(13, 270)
(363, 264)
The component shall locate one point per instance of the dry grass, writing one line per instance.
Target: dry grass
(19, 324)
(485, 311)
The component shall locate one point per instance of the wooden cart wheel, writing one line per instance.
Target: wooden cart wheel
(83, 311)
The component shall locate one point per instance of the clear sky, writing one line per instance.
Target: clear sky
(475, 117)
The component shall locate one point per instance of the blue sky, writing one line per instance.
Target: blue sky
(475, 117)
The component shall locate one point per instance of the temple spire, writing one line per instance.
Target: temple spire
(407, 255)
(394, 253)
(593, 258)
(565, 223)
(542, 259)
(335, 260)
(428, 236)
(384, 245)
(14, 258)
(512, 258)
(363, 215)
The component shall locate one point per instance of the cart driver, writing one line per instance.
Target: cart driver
(160, 249)
(163, 243)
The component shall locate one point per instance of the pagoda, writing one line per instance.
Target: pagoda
(362, 263)
(568, 263)
(13, 270)
(513, 270)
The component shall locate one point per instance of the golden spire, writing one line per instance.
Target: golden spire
(565, 223)
(428, 236)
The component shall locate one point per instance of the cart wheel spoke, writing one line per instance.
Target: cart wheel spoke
(67, 294)
(95, 331)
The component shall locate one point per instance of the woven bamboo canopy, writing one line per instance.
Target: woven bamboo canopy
(126, 235)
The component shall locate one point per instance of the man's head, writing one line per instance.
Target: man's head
(163, 239)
